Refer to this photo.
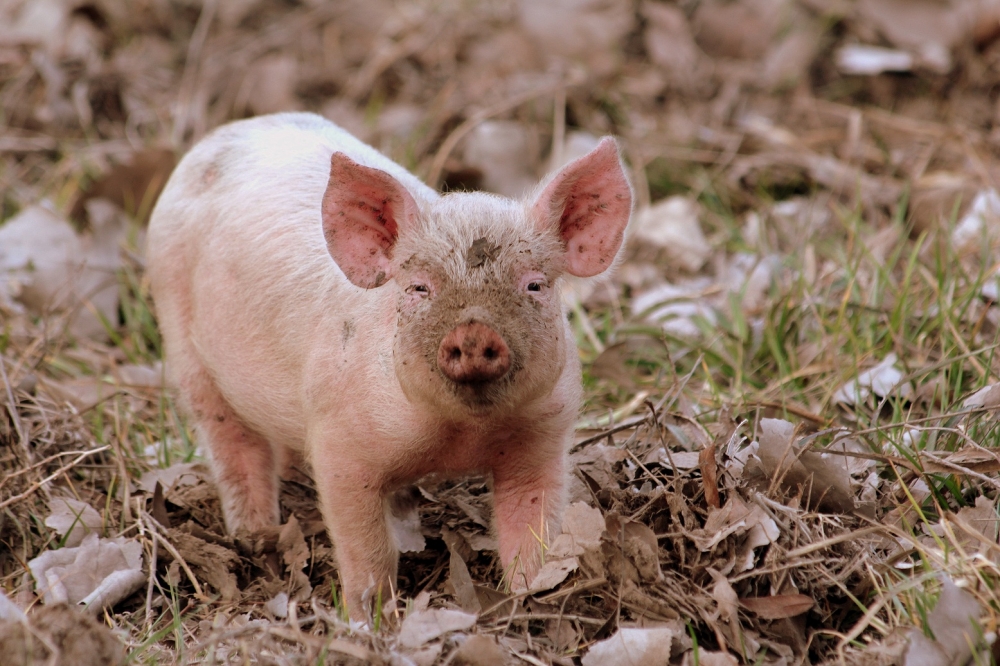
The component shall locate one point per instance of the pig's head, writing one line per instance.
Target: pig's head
(481, 326)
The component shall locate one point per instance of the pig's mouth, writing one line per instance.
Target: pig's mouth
(480, 396)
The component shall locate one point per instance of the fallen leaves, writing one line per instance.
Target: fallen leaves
(73, 520)
(954, 628)
(631, 647)
(48, 267)
(425, 625)
(97, 574)
(672, 227)
(824, 481)
(778, 606)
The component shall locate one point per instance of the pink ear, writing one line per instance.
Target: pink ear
(363, 209)
(590, 201)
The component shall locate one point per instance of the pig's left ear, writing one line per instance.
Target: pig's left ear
(589, 201)
(363, 210)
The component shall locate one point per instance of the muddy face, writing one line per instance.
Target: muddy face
(480, 323)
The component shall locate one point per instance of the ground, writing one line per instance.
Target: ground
(788, 452)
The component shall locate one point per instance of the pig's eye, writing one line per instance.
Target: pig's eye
(421, 289)
(534, 286)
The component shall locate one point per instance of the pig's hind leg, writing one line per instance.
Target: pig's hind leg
(243, 462)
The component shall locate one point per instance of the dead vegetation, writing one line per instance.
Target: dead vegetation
(789, 453)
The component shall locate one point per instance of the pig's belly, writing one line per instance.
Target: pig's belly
(251, 369)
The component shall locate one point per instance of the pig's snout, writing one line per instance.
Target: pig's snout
(473, 353)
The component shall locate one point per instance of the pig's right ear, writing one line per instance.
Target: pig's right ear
(363, 209)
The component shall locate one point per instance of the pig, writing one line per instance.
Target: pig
(317, 300)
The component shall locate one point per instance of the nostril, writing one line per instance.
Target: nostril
(473, 353)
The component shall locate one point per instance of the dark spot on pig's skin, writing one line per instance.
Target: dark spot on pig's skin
(379, 279)
(220, 417)
(534, 500)
(348, 332)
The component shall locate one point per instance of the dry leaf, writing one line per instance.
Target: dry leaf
(631, 647)
(706, 658)
(982, 519)
(954, 622)
(973, 459)
(672, 227)
(582, 528)
(175, 476)
(927, 28)
(637, 543)
(675, 308)
(762, 531)
(980, 223)
(778, 606)
(73, 519)
(295, 553)
(458, 574)
(682, 461)
(737, 29)
(211, 562)
(881, 381)
(426, 625)
(730, 519)
(725, 597)
(552, 573)
(824, 480)
(96, 574)
(478, 541)
(278, 605)
(987, 397)
(56, 269)
(479, 650)
(141, 376)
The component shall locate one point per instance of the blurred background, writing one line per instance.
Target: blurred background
(783, 109)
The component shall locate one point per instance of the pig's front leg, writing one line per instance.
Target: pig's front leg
(353, 505)
(529, 487)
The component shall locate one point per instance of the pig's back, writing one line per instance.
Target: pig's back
(242, 279)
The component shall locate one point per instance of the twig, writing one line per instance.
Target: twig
(40, 463)
(152, 581)
(832, 541)
(59, 472)
(154, 528)
(610, 431)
